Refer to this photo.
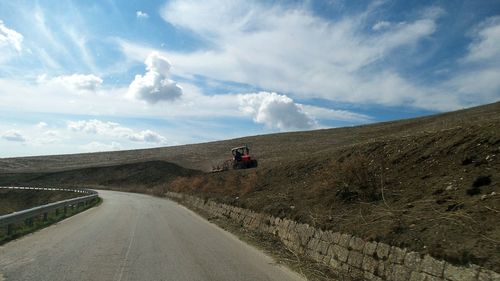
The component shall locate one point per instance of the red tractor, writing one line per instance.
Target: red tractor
(241, 160)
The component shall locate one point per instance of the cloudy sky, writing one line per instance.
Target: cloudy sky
(81, 76)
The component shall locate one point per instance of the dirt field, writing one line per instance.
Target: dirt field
(429, 184)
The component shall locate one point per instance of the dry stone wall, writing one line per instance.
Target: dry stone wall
(344, 253)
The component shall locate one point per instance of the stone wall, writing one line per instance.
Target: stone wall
(347, 254)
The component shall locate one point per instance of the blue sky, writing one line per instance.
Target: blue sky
(82, 76)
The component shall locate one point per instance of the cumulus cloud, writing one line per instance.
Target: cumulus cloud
(10, 38)
(276, 111)
(13, 135)
(87, 82)
(141, 15)
(155, 85)
(112, 129)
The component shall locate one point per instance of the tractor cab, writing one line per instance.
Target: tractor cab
(242, 158)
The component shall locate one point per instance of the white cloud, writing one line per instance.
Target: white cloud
(485, 47)
(41, 125)
(115, 130)
(276, 111)
(381, 25)
(141, 15)
(99, 146)
(338, 115)
(86, 82)
(13, 135)
(155, 85)
(147, 136)
(269, 46)
(10, 38)
(478, 82)
(48, 137)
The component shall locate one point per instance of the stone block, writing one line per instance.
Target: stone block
(336, 237)
(455, 273)
(400, 273)
(383, 251)
(335, 264)
(370, 248)
(420, 276)
(371, 277)
(322, 247)
(327, 236)
(397, 255)
(313, 243)
(339, 253)
(412, 261)
(488, 275)
(318, 233)
(326, 259)
(369, 264)
(381, 269)
(357, 244)
(305, 233)
(344, 240)
(355, 259)
(432, 266)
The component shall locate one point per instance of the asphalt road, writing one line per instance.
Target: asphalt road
(135, 237)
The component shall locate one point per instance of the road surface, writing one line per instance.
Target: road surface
(135, 237)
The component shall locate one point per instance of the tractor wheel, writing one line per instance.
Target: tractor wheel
(253, 164)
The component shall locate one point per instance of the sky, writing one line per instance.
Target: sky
(100, 75)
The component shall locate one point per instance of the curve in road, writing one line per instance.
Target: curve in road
(136, 237)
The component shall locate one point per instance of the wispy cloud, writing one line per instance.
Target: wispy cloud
(10, 38)
(88, 82)
(115, 130)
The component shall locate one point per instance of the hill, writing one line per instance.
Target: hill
(271, 149)
(429, 184)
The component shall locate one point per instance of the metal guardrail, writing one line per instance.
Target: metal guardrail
(28, 214)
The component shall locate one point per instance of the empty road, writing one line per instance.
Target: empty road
(135, 237)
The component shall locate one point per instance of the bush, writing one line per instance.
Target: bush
(357, 178)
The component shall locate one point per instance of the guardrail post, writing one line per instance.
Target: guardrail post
(45, 217)
(57, 211)
(29, 222)
(65, 209)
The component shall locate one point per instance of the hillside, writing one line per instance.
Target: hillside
(15, 200)
(429, 184)
(270, 149)
(127, 177)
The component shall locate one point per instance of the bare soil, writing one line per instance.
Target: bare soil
(428, 184)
